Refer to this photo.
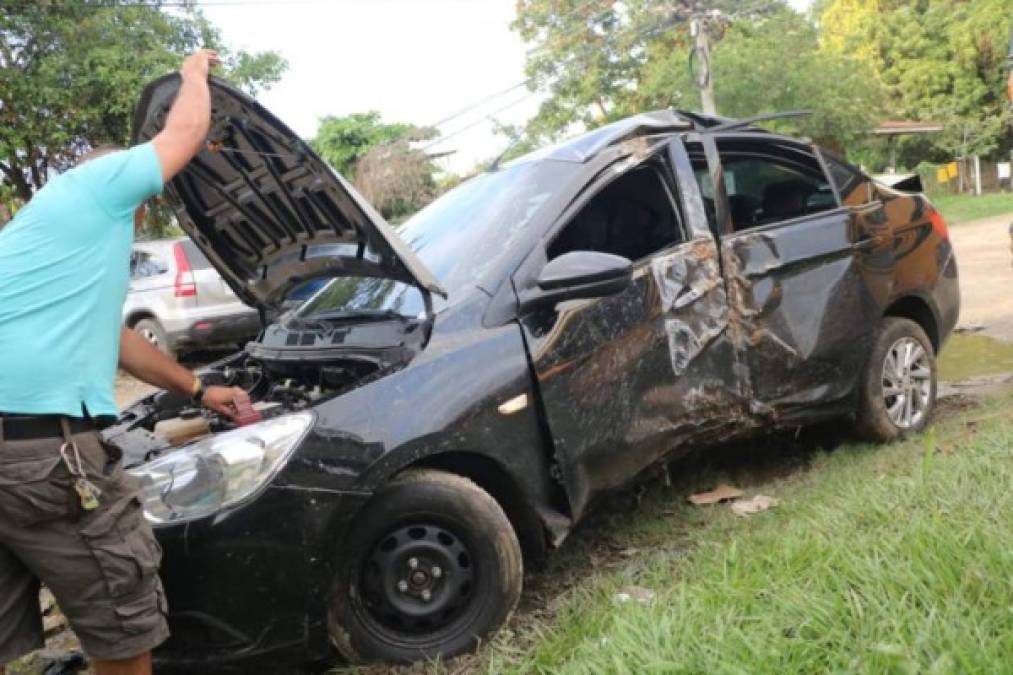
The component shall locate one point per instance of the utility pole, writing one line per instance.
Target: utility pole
(702, 52)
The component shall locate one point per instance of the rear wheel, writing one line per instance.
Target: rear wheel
(899, 385)
(432, 567)
(152, 331)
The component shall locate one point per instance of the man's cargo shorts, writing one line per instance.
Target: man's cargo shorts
(101, 565)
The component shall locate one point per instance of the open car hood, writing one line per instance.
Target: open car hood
(266, 210)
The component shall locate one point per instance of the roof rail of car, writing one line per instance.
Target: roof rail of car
(746, 122)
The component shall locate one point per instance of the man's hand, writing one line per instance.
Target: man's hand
(224, 400)
(199, 63)
(145, 362)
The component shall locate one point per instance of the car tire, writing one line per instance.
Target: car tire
(153, 332)
(425, 532)
(898, 391)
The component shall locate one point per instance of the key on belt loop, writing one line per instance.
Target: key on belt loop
(87, 491)
(68, 442)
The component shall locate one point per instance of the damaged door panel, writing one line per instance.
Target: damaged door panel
(802, 312)
(626, 378)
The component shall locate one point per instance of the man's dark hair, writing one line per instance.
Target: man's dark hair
(100, 151)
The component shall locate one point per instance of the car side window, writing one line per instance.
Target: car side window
(765, 188)
(143, 264)
(855, 189)
(633, 216)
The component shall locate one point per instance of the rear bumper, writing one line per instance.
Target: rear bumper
(216, 330)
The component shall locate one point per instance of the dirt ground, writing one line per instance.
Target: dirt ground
(986, 274)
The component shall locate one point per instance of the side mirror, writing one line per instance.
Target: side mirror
(579, 274)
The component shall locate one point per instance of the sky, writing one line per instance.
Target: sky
(416, 61)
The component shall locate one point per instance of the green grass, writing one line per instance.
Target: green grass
(965, 356)
(893, 559)
(960, 208)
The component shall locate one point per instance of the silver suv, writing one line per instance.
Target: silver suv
(178, 301)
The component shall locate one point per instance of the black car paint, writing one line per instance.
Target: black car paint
(714, 337)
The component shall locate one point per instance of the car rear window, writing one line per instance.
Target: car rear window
(198, 261)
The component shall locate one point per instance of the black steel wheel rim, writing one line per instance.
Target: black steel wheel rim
(417, 580)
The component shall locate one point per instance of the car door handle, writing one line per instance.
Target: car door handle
(866, 243)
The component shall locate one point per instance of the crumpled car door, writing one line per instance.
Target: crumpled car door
(625, 379)
(802, 299)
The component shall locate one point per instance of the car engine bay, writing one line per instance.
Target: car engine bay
(285, 371)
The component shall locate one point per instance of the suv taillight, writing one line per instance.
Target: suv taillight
(184, 287)
(938, 224)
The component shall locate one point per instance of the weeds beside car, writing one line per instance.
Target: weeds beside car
(878, 559)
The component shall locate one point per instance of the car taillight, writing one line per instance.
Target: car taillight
(938, 224)
(185, 287)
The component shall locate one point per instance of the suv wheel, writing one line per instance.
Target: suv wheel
(432, 567)
(899, 385)
(153, 332)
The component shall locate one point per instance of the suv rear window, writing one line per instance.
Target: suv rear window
(198, 261)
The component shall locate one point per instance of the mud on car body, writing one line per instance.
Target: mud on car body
(459, 394)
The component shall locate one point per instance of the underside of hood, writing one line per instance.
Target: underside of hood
(266, 210)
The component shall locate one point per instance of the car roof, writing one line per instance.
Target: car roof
(583, 147)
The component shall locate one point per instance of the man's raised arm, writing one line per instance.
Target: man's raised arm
(186, 126)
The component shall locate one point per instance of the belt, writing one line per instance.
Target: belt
(31, 427)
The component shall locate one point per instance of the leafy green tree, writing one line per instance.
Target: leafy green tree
(379, 159)
(601, 61)
(939, 60)
(342, 141)
(71, 72)
(774, 63)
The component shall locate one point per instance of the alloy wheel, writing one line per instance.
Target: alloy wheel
(907, 383)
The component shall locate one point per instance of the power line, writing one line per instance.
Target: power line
(656, 30)
(176, 4)
(474, 124)
(556, 40)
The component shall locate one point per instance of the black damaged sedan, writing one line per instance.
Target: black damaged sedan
(455, 396)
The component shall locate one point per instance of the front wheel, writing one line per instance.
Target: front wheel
(898, 391)
(432, 567)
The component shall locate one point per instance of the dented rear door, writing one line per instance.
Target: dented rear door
(626, 379)
(802, 313)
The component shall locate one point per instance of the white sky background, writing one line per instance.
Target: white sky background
(416, 61)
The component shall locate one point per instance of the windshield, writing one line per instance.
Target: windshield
(459, 237)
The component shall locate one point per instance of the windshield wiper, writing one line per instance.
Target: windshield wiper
(377, 314)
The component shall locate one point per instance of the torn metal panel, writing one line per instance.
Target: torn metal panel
(693, 301)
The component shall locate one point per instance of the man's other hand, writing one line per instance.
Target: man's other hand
(199, 63)
(223, 400)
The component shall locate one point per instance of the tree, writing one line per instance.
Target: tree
(939, 60)
(774, 63)
(342, 141)
(378, 158)
(71, 72)
(605, 60)
(396, 179)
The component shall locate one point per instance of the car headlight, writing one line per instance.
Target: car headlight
(219, 471)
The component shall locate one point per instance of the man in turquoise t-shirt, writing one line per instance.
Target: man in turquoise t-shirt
(69, 516)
